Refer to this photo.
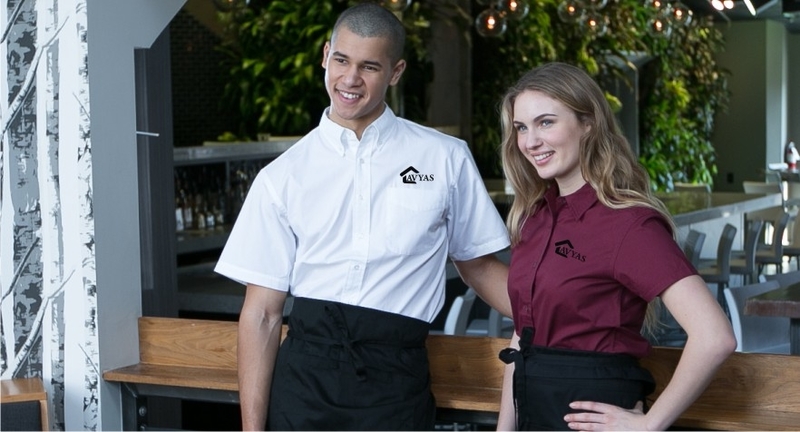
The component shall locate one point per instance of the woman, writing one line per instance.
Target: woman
(591, 248)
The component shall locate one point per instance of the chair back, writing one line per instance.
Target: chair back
(756, 333)
(693, 246)
(752, 235)
(724, 248)
(777, 234)
(458, 316)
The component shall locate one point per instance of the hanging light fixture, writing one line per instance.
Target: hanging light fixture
(514, 9)
(717, 4)
(571, 11)
(595, 23)
(681, 14)
(661, 23)
(728, 4)
(490, 23)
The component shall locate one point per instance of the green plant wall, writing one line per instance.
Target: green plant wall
(681, 86)
(276, 80)
(274, 52)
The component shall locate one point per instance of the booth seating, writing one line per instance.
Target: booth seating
(23, 405)
(196, 359)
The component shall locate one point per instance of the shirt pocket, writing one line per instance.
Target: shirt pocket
(415, 220)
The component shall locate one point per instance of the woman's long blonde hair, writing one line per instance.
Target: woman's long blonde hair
(607, 161)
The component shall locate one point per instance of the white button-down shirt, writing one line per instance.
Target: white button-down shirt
(368, 223)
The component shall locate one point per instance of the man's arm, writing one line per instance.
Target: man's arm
(489, 277)
(259, 338)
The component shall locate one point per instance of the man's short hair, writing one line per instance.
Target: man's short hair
(372, 20)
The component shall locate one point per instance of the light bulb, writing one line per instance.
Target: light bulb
(717, 5)
(396, 5)
(595, 23)
(514, 9)
(570, 11)
(728, 4)
(660, 25)
(681, 14)
(655, 4)
(490, 23)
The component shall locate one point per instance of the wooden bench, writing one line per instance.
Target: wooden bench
(196, 359)
(24, 391)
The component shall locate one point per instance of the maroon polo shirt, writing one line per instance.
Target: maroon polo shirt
(583, 273)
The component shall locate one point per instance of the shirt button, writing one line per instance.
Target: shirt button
(357, 267)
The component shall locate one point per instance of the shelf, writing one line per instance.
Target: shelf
(227, 152)
(202, 240)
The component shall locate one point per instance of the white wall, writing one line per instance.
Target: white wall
(755, 128)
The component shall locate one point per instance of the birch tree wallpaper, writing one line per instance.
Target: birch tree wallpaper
(47, 255)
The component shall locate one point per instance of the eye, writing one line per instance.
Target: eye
(370, 68)
(339, 60)
(546, 122)
(520, 127)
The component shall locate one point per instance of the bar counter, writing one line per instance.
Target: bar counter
(686, 208)
(689, 208)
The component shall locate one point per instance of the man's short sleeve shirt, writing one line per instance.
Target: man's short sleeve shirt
(370, 222)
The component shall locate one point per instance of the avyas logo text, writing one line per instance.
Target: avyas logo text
(565, 249)
(411, 176)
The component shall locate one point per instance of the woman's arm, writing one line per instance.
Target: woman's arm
(710, 341)
(507, 420)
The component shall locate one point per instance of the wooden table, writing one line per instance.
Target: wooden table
(782, 302)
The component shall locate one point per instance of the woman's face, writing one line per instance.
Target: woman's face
(548, 135)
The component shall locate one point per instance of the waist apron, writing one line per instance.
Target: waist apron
(547, 380)
(344, 367)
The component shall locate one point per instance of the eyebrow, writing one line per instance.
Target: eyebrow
(537, 118)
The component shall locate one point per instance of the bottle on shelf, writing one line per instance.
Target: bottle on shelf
(178, 215)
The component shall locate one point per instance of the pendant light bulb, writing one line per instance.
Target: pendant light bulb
(490, 23)
(571, 11)
(514, 9)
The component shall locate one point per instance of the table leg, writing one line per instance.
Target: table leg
(794, 336)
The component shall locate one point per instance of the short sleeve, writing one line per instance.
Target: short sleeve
(261, 248)
(649, 259)
(475, 226)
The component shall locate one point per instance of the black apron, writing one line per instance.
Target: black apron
(547, 380)
(344, 367)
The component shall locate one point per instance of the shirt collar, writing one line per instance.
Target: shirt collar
(577, 202)
(338, 136)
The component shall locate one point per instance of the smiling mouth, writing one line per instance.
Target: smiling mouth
(542, 156)
(349, 96)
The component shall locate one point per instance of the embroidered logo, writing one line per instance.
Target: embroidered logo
(566, 250)
(411, 176)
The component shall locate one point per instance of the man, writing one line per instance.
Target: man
(357, 220)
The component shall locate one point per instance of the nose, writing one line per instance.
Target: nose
(352, 77)
(530, 140)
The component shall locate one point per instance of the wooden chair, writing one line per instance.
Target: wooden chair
(23, 404)
(756, 333)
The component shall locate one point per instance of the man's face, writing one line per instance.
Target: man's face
(358, 71)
